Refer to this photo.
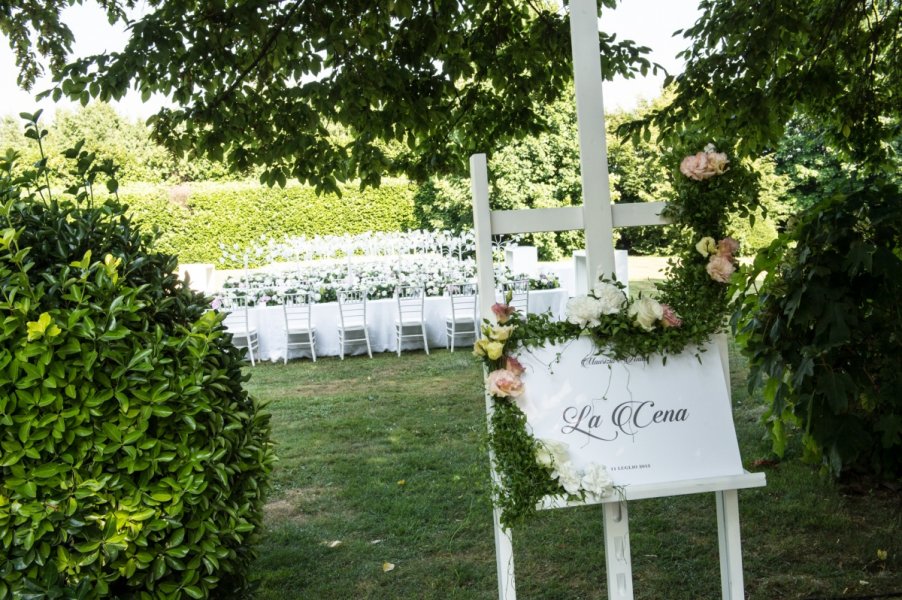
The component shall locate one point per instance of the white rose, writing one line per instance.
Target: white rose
(646, 312)
(569, 478)
(584, 311)
(551, 453)
(597, 482)
(610, 296)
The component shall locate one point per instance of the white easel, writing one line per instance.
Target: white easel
(597, 216)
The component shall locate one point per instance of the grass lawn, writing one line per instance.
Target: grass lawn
(384, 461)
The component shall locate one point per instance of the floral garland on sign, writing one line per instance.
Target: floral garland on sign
(690, 307)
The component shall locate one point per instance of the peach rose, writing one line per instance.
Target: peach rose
(513, 365)
(504, 384)
(727, 247)
(702, 165)
(695, 166)
(720, 268)
(717, 162)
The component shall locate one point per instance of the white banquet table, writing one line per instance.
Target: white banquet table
(380, 316)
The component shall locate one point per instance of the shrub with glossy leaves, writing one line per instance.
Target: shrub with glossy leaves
(823, 331)
(132, 462)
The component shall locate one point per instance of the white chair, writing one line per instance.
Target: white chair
(411, 304)
(463, 321)
(519, 294)
(244, 335)
(352, 328)
(299, 330)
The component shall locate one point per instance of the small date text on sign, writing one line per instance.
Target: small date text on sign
(645, 421)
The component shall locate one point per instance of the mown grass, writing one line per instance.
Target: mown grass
(387, 457)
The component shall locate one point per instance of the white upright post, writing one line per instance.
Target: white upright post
(482, 221)
(593, 152)
(617, 551)
(730, 543)
(482, 226)
(599, 227)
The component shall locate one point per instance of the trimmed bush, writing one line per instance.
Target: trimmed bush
(823, 333)
(194, 219)
(132, 462)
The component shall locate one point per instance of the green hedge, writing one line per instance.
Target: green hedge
(193, 219)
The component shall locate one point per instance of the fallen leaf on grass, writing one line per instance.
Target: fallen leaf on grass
(401, 482)
(765, 462)
(387, 566)
(376, 542)
(332, 544)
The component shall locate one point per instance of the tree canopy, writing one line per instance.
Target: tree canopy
(754, 63)
(260, 82)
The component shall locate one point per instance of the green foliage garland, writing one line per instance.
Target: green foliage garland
(698, 307)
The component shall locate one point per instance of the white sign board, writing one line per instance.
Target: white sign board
(647, 422)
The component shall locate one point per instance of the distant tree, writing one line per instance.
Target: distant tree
(815, 169)
(111, 136)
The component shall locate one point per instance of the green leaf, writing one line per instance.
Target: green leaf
(28, 489)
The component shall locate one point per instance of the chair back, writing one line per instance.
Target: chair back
(519, 292)
(464, 304)
(411, 303)
(352, 308)
(235, 305)
(296, 308)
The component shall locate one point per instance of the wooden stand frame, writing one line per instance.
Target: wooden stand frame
(597, 216)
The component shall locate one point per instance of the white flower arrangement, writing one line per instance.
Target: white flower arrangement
(584, 311)
(610, 296)
(380, 278)
(593, 481)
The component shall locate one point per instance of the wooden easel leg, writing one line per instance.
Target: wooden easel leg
(617, 551)
(504, 557)
(732, 586)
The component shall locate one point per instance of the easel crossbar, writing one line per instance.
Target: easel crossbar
(643, 492)
(568, 218)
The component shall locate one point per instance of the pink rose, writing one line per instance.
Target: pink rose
(504, 384)
(720, 268)
(727, 247)
(670, 318)
(513, 365)
(502, 311)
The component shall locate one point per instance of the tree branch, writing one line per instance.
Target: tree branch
(267, 46)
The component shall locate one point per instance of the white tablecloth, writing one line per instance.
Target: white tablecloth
(380, 316)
